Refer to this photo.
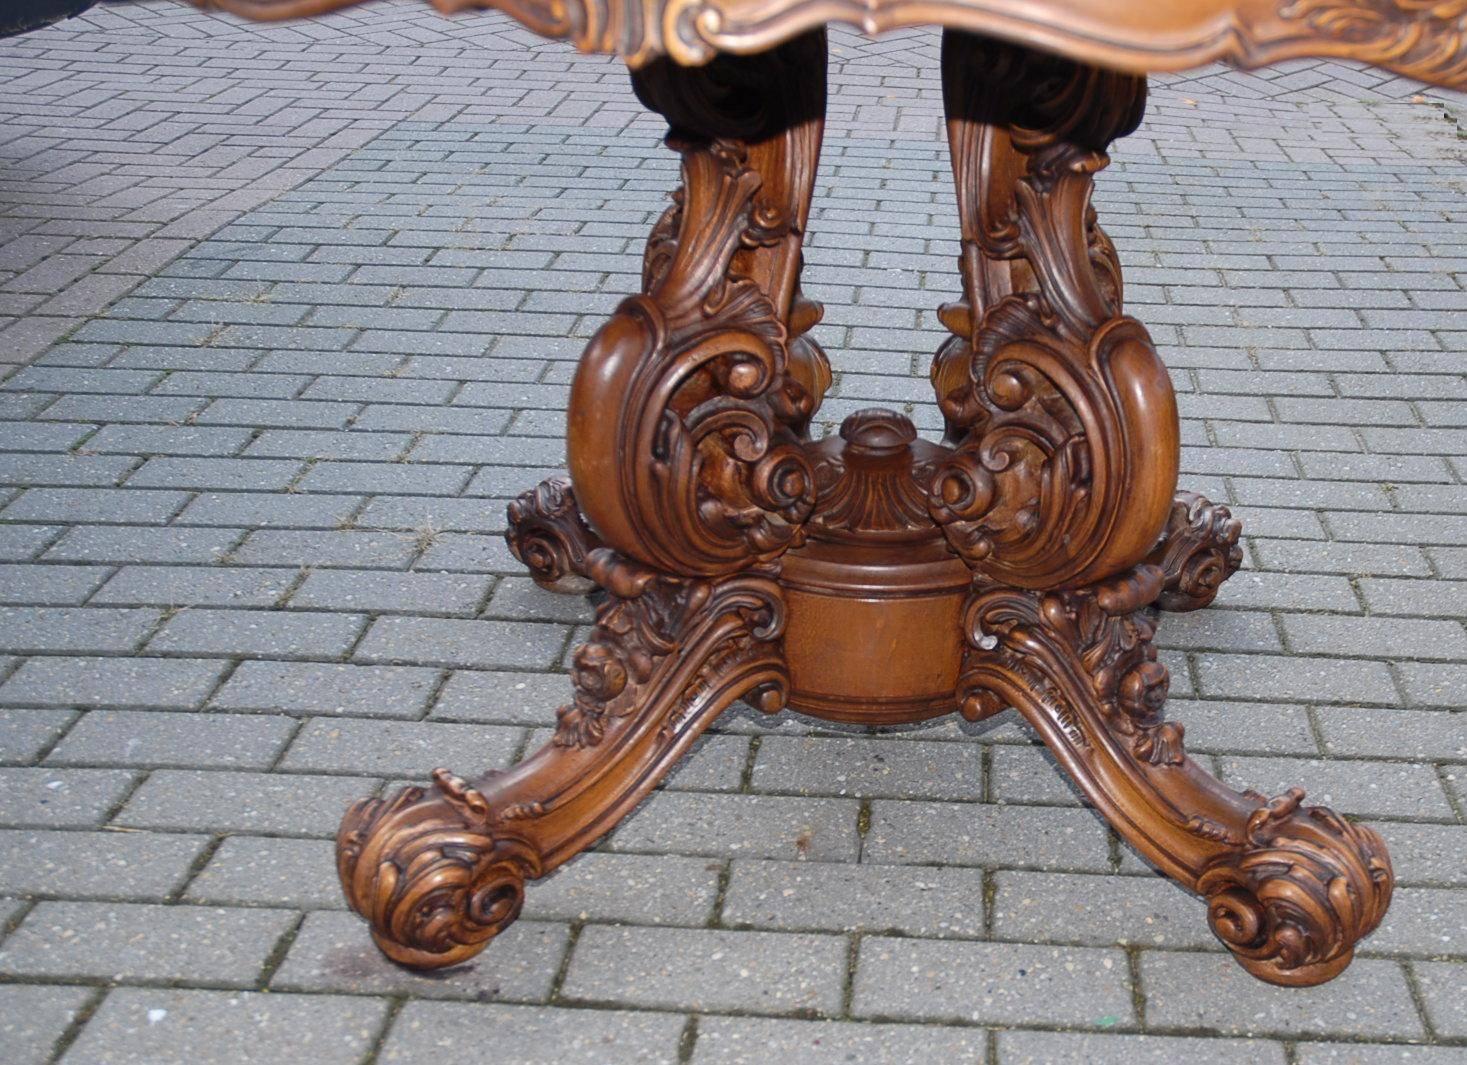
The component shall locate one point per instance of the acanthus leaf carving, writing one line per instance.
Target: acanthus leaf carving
(1290, 889)
(631, 638)
(1090, 646)
(643, 618)
(872, 480)
(439, 871)
(634, 639)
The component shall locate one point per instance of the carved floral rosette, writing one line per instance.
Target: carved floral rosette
(611, 670)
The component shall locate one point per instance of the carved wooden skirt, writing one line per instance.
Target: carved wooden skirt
(875, 577)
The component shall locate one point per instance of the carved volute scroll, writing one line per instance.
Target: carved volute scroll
(1061, 412)
(688, 406)
(1290, 888)
(433, 877)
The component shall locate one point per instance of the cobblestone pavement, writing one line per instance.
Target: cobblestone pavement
(289, 311)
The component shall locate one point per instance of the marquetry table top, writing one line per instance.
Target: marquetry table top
(1425, 39)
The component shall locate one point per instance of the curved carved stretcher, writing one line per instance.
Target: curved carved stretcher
(875, 577)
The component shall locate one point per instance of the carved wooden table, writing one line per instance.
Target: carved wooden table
(874, 577)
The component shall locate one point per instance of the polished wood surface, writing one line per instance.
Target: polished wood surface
(874, 592)
(875, 577)
(1423, 39)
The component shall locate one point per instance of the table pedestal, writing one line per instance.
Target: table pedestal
(874, 578)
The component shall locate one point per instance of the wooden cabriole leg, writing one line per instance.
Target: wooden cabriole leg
(1059, 494)
(687, 422)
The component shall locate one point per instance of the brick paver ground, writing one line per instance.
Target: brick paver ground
(289, 311)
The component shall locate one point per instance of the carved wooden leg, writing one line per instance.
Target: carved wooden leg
(439, 872)
(1289, 888)
(1057, 497)
(687, 419)
(1062, 414)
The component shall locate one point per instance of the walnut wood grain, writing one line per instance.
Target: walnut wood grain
(874, 595)
(1290, 888)
(1199, 551)
(1424, 39)
(687, 407)
(1060, 410)
(439, 871)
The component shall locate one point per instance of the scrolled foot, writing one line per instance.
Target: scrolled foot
(432, 873)
(1306, 887)
(1197, 552)
(1058, 495)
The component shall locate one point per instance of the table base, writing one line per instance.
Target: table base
(874, 577)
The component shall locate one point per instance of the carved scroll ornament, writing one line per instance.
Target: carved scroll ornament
(1304, 887)
(1199, 551)
(438, 872)
(1061, 411)
(717, 532)
(687, 408)
(431, 875)
(709, 475)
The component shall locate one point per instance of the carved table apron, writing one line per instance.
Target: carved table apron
(875, 577)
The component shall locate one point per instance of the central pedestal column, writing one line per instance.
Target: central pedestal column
(874, 596)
